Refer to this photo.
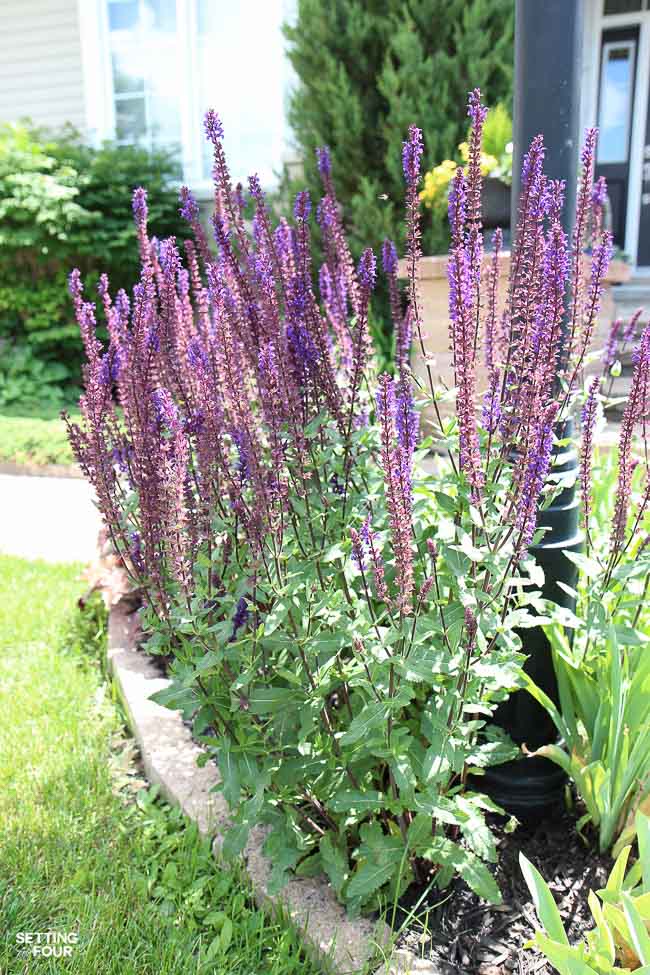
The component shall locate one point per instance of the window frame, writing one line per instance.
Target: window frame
(100, 95)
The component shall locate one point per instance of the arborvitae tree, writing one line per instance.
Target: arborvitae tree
(367, 69)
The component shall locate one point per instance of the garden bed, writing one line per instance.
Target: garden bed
(460, 933)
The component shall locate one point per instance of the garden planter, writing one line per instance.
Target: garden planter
(496, 203)
(435, 318)
(434, 308)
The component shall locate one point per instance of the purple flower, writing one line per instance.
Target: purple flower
(358, 554)
(599, 192)
(395, 463)
(407, 419)
(475, 110)
(412, 150)
(611, 346)
(135, 552)
(109, 370)
(139, 204)
(151, 339)
(389, 257)
(457, 205)
(196, 354)
(213, 127)
(241, 442)
(630, 329)
(165, 410)
(589, 416)
(491, 414)
(367, 270)
(240, 617)
(324, 161)
(189, 209)
(302, 206)
(534, 479)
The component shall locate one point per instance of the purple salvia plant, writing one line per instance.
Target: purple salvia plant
(397, 488)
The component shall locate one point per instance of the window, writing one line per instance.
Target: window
(616, 96)
(143, 41)
(622, 6)
(170, 60)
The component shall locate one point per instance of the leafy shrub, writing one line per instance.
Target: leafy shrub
(601, 651)
(64, 204)
(342, 623)
(621, 914)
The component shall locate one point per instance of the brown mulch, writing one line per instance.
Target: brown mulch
(463, 934)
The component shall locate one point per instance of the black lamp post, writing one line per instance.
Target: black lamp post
(548, 62)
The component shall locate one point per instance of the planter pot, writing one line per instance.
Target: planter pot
(435, 316)
(496, 203)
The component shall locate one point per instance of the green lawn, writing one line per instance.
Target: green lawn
(34, 440)
(81, 849)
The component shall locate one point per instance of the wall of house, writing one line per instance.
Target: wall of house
(40, 62)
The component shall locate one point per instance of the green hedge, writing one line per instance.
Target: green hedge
(64, 204)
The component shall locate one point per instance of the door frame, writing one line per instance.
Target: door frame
(595, 23)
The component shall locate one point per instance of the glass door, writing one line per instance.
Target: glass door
(615, 109)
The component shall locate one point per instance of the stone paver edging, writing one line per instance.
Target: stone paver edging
(41, 470)
(169, 757)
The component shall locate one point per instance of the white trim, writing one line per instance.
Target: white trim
(633, 217)
(98, 111)
(631, 47)
(595, 23)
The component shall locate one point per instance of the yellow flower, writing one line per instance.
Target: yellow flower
(488, 162)
(436, 182)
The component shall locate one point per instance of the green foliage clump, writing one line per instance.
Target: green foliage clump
(601, 659)
(65, 205)
(34, 440)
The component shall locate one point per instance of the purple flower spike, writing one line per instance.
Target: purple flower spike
(324, 161)
(240, 617)
(589, 416)
(139, 204)
(189, 208)
(367, 269)
(411, 154)
(475, 110)
(407, 419)
(389, 257)
(213, 127)
(302, 206)
(358, 554)
(599, 192)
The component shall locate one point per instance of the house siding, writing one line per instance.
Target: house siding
(40, 62)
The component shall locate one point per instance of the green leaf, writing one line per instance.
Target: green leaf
(545, 906)
(564, 958)
(269, 700)
(354, 799)
(380, 856)
(369, 877)
(638, 932)
(372, 715)
(335, 861)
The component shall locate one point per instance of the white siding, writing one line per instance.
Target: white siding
(40, 62)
